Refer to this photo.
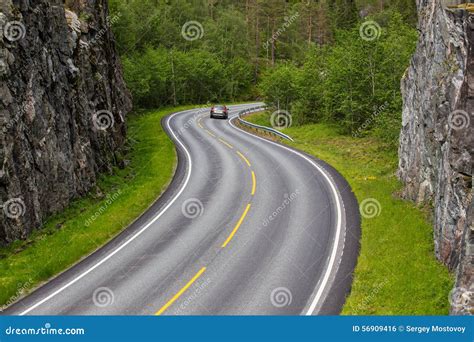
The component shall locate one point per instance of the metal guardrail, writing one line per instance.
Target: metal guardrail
(258, 127)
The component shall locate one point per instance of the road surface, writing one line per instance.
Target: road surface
(247, 227)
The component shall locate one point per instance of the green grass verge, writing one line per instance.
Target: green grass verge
(66, 238)
(397, 273)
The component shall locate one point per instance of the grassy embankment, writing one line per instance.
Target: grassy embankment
(397, 272)
(67, 237)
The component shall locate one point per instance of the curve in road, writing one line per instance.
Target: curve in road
(247, 226)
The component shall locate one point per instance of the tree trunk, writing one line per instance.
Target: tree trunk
(173, 80)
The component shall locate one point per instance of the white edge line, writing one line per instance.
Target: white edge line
(329, 269)
(135, 235)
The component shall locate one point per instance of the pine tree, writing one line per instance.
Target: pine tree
(344, 13)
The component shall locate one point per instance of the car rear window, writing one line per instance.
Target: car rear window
(219, 107)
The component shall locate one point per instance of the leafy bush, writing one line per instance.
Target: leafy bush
(353, 82)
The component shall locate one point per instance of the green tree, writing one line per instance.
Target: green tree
(279, 86)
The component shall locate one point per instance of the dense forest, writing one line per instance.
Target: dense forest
(338, 61)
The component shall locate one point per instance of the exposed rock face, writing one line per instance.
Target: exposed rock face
(437, 138)
(63, 104)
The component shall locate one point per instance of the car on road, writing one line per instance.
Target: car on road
(219, 111)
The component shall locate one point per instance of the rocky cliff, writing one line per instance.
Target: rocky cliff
(437, 137)
(62, 109)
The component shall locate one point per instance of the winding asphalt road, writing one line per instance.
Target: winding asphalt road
(247, 227)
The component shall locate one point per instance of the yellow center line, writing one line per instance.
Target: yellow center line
(199, 123)
(244, 159)
(226, 143)
(210, 133)
(237, 226)
(254, 183)
(180, 293)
